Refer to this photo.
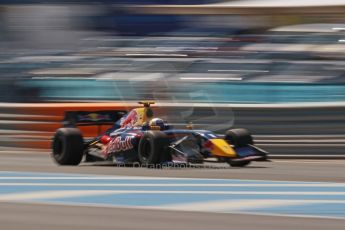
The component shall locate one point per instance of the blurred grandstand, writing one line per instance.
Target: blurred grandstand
(119, 50)
(276, 60)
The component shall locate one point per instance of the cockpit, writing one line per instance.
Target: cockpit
(142, 117)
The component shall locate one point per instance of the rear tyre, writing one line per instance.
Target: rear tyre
(153, 148)
(68, 146)
(238, 138)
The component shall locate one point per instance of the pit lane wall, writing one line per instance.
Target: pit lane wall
(313, 130)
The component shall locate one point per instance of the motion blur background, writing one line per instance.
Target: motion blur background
(274, 67)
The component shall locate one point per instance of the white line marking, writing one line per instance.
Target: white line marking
(94, 177)
(310, 162)
(97, 177)
(238, 205)
(326, 157)
(53, 194)
(188, 209)
(338, 28)
(289, 215)
(206, 192)
(306, 144)
(238, 70)
(212, 78)
(157, 54)
(300, 136)
(72, 184)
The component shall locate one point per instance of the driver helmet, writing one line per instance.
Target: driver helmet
(157, 122)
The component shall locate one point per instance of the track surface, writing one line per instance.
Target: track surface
(285, 170)
(32, 217)
(30, 214)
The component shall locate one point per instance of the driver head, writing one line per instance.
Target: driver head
(157, 122)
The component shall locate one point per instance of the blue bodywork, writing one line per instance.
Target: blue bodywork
(190, 150)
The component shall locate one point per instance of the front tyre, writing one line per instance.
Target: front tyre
(68, 146)
(153, 148)
(238, 138)
(238, 164)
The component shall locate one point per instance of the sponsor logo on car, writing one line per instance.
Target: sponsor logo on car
(130, 119)
(94, 117)
(118, 145)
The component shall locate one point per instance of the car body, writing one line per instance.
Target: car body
(134, 139)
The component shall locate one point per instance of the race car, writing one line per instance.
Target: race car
(137, 137)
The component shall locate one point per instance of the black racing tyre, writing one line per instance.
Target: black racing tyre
(238, 137)
(68, 146)
(238, 163)
(153, 148)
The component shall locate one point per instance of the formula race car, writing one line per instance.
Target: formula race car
(138, 137)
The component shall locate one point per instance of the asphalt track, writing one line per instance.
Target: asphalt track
(76, 214)
(278, 169)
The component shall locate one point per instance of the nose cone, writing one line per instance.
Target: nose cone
(220, 147)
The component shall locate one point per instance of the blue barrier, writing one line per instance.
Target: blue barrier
(90, 89)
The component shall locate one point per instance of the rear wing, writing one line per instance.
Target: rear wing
(90, 118)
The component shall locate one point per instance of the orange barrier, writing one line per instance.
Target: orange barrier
(58, 109)
(39, 121)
